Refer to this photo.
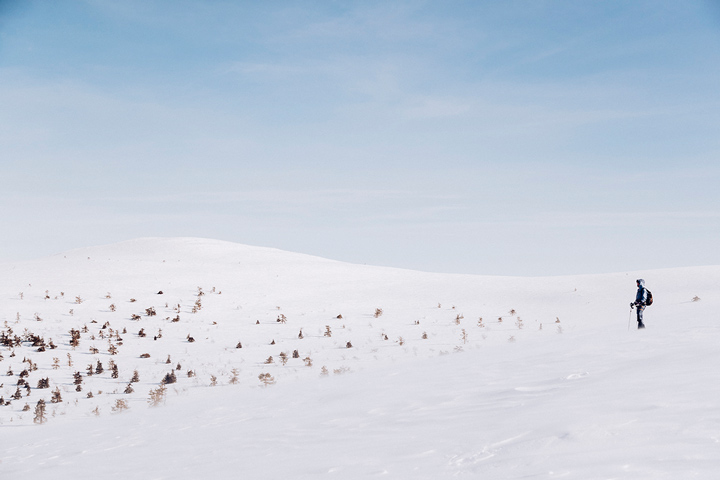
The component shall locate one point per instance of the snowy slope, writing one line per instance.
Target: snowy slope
(558, 388)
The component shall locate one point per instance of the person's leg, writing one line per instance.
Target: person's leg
(640, 310)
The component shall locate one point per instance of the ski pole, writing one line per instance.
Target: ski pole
(629, 318)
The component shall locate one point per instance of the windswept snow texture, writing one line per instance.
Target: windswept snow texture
(395, 375)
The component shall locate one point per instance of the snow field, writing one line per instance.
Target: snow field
(583, 398)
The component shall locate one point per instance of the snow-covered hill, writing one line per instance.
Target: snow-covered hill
(369, 371)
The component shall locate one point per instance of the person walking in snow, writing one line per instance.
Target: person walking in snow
(640, 299)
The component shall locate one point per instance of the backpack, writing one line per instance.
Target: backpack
(649, 299)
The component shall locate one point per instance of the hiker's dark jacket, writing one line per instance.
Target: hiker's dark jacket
(641, 296)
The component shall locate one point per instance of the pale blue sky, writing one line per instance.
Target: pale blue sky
(517, 137)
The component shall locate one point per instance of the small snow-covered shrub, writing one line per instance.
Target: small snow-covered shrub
(120, 405)
(40, 412)
(266, 379)
(56, 396)
(74, 338)
(157, 396)
(169, 378)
